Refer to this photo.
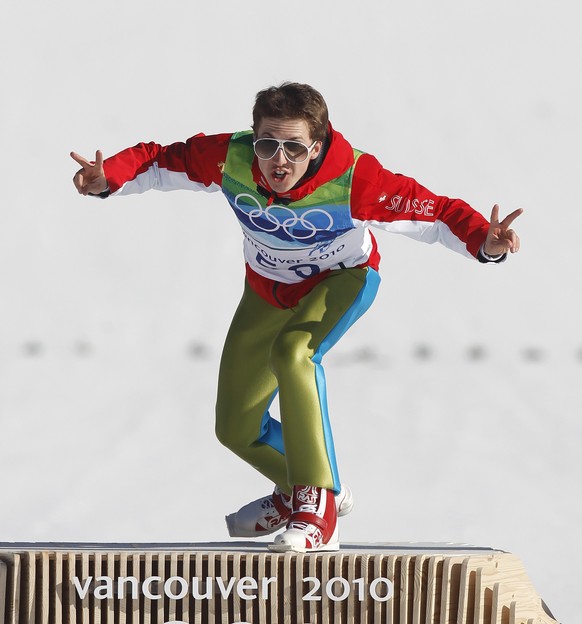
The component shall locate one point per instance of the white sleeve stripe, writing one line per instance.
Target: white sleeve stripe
(162, 179)
(426, 232)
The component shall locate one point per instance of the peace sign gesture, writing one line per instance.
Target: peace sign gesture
(500, 239)
(91, 177)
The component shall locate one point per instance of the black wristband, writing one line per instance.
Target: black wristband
(489, 259)
(102, 195)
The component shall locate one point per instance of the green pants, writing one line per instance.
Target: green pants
(270, 350)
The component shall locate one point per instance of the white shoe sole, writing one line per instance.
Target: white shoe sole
(283, 548)
(295, 535)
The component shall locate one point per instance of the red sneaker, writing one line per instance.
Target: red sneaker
(271, 513)
(261, 517)
(313, 524)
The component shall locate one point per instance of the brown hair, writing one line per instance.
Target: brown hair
(292, 100)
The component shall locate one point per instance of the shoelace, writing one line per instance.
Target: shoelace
(308, 508)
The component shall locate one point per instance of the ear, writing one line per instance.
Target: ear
(316, 150)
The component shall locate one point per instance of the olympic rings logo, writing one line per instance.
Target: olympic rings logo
(273, 218)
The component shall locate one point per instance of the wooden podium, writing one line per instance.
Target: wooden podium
(243, 582)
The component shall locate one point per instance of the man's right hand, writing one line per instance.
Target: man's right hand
(91, 177)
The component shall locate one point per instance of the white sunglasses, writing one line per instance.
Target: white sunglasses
(294, 151)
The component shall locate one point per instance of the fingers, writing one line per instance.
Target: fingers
(98, 164)
(99, 160)
(79, 182)
(495, 214)
(80, 160)
(508, 240)
(91, 177)
(510, 218)
(500, 238)
(79, 177)
(513, 240)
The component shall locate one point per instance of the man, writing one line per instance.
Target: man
(305, 200)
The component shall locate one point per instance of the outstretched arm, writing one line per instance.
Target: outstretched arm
(397, 203)
(192, 165)
(91, 177)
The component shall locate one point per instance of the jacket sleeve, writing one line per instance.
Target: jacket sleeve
(397, 203)
(194, 165)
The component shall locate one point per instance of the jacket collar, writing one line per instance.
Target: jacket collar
(338, 159)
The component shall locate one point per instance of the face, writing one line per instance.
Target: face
(280, 172)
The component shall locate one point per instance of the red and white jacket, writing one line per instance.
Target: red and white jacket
(378, 197)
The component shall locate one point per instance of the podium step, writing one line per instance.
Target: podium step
(244, 583)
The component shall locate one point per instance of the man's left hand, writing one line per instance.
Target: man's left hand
(500, 238)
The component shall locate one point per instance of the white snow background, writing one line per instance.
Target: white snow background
(455, 401)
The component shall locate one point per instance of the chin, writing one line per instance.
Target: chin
(282, 188)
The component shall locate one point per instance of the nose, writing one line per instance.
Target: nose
(279, 158)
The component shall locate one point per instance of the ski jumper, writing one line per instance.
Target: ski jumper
(311, 272)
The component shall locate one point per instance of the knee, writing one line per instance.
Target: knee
(288, 351)
(232, 429)
(225, 432)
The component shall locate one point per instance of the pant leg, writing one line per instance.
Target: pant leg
(247, 386)
(267, 347)
(318, 322)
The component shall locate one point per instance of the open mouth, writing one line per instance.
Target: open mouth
(279, 175)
